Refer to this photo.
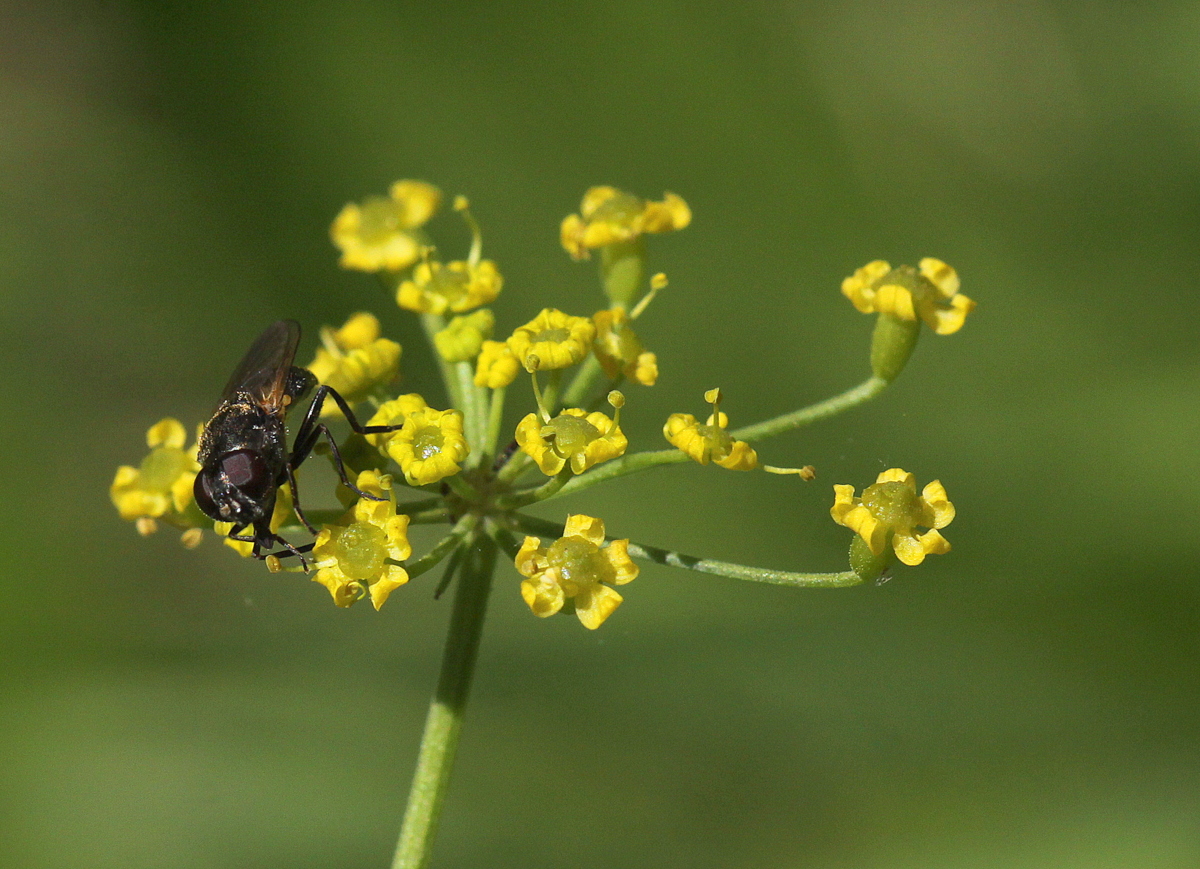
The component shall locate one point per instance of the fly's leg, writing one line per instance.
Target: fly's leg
(290, 550)
(270, 538)
(291, 479)
(310, 431)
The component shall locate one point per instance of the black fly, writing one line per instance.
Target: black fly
(244, 454)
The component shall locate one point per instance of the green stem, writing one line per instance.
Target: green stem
(549, 398)
(538, 493)
(495, 421)
(434, 323)
(444, 721)
(745, 572)
(588, 375)
(474, 409)
(517, 464)
(627, 464)
(437, 516)
(462, 488)
(864, 392)
(444, 547)
(550, 530)
(504, 538)
(634, 462)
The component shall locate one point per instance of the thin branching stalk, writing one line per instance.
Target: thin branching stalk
(443, 723)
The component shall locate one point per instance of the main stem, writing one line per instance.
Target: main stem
(444, 721)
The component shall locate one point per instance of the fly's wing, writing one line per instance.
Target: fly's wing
(263, 371)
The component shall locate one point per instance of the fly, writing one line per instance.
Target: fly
(244, 455)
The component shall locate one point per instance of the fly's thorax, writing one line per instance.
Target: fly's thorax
(243, 424)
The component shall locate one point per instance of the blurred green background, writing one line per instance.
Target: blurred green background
(1031, 699)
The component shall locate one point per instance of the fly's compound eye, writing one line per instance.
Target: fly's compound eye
(247, 472)
(202, 491)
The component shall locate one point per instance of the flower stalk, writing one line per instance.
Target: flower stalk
(443, 723)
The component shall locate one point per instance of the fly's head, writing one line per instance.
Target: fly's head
(238, 487)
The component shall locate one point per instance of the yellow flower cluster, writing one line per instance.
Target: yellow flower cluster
(458, 286)
(620, 351)
(497, 366)
(552, 340)
(363, 553)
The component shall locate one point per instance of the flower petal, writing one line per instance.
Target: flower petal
(898, 475)
(895, 300)
(947, 321)
(543, 595)
(624, 568)
(586, 528)
(908, 549)
(167, 432)
(942, 276)
(943, 511)
(392, 578)
(595, 604)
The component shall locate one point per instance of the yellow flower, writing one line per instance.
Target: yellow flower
(619, 349)
(161, 488)
(355, 360)
(429, 447)
(457, 286)
(710, 442)
(576, 436)
(496, 367)
(608, 216)
(575, 567)
(382, 232)
(359, 330)
(354, 559)
(464, 336)
(552, 339)
(889, 512)
(394, 412)
(929, 293)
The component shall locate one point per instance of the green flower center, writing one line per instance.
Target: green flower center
(451, 286)
(719, 442)
(578, 561)
(894, 504)
(379, 218)
(552, 336)
(428, 442)
(161, 468)
(622, 208)
(360, 550)
(570, 435)
(923, 291)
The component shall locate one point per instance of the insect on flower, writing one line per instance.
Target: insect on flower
(244, 455)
